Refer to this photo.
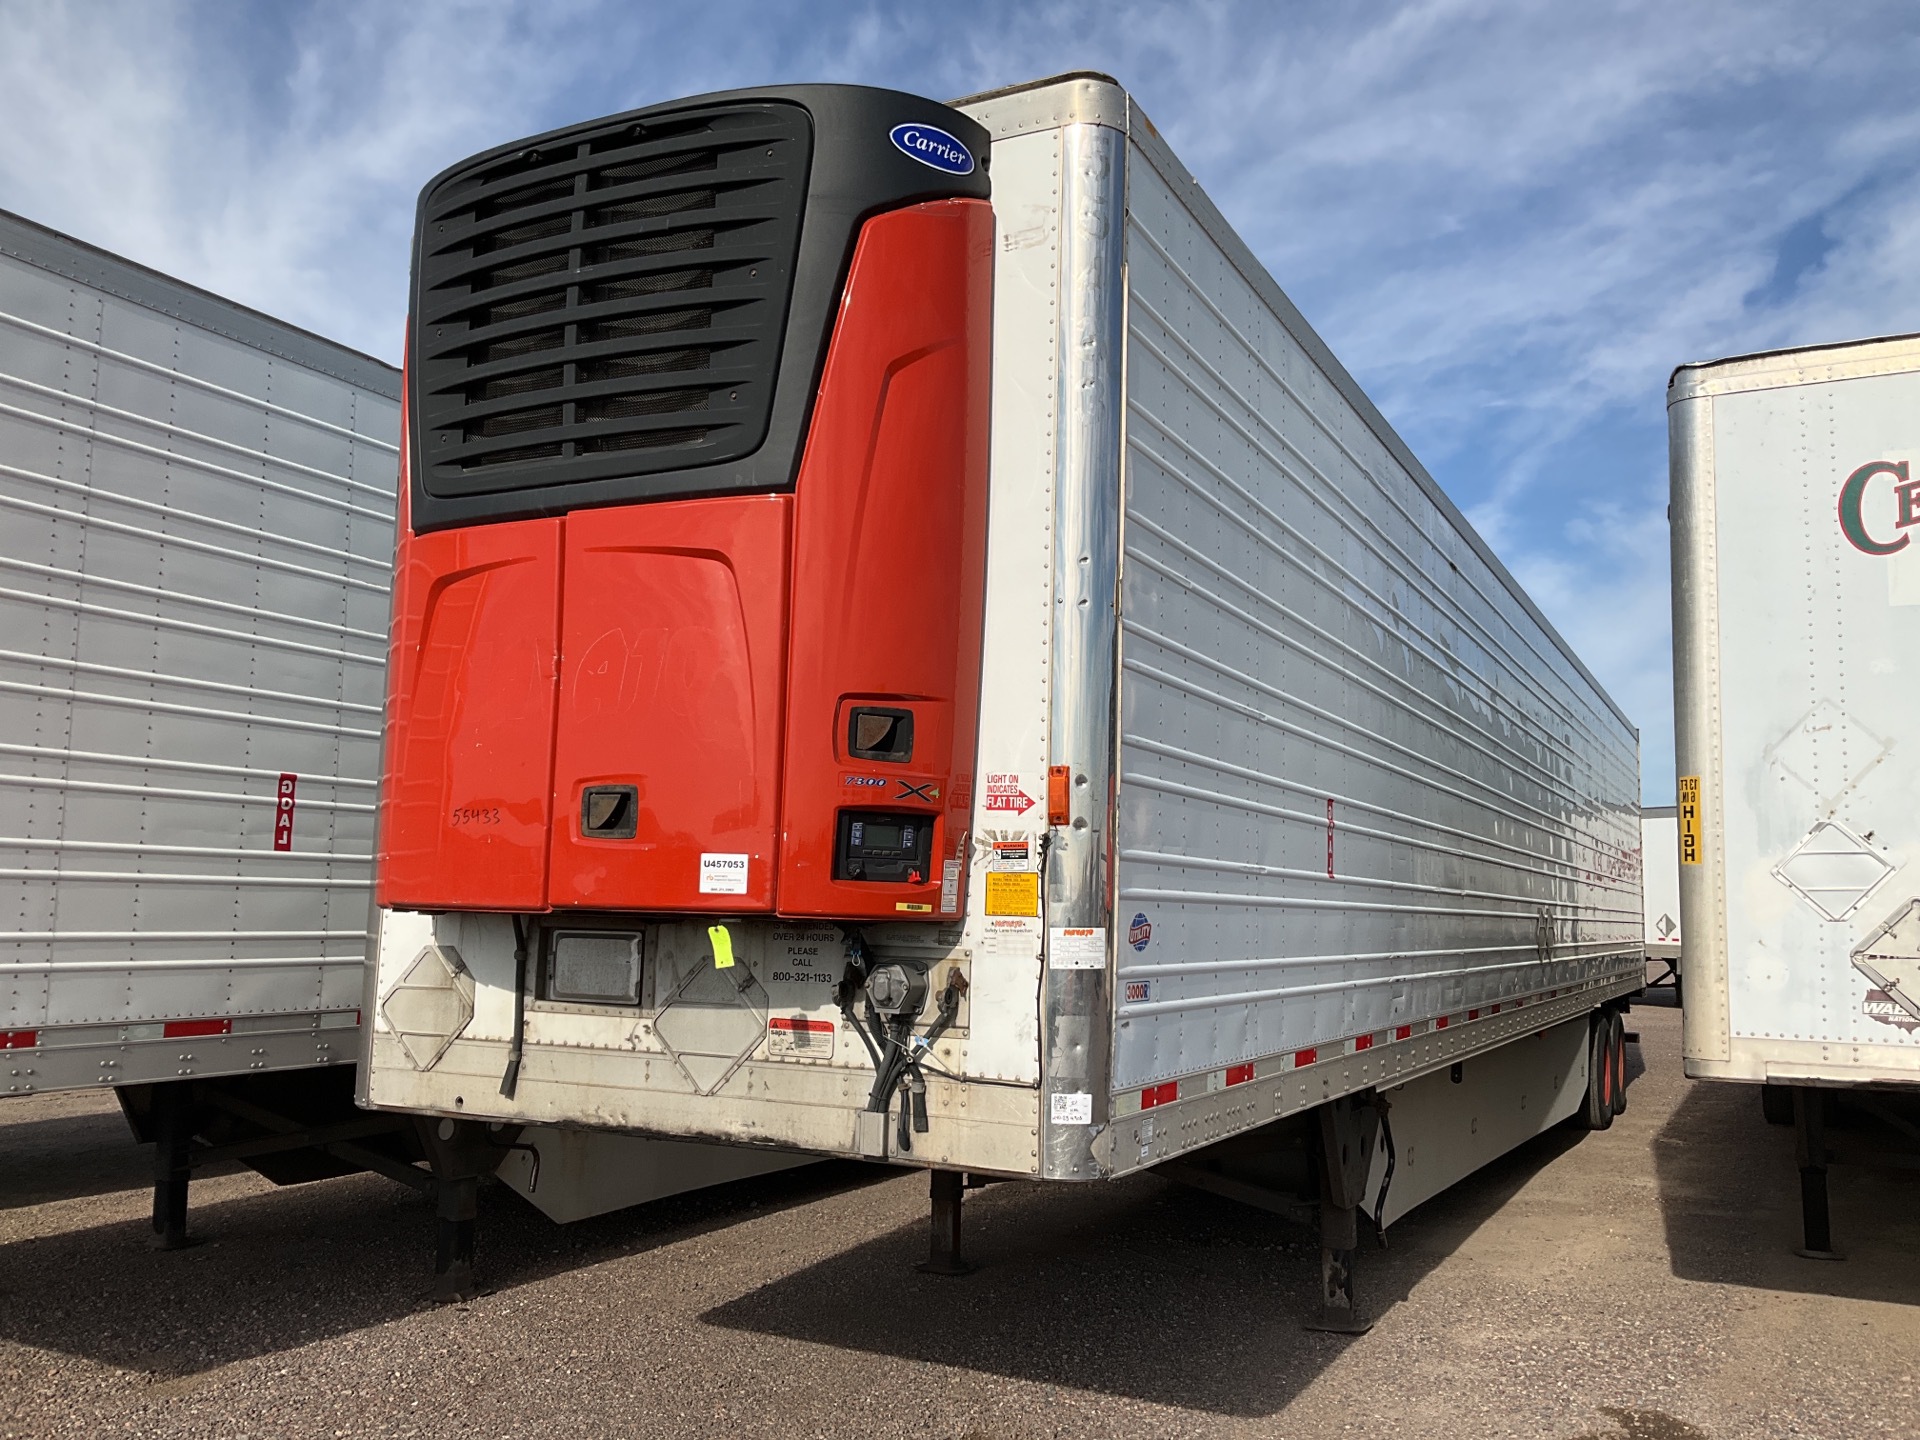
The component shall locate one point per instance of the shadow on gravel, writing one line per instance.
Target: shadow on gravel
(68, 1156)
(1140, 1289)
(289, 1267)
(1730, 1201)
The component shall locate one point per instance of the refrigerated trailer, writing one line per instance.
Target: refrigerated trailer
(1794, 575)
(907, 646)
(196, 538)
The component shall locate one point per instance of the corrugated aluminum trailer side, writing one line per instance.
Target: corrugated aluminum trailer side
(1365, 789)
(196, 522)
(1794, 578)
(1286, 796)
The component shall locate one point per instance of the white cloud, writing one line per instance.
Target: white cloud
(1510, 221)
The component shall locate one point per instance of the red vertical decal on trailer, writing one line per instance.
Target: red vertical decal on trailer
(283, 812)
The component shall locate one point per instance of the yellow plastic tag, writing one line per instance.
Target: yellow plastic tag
(722, 947)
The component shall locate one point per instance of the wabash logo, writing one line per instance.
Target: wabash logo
(1853, 498)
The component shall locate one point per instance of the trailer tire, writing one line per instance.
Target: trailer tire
(1619, 1035)
(1598, 1112)
(1776, 1103)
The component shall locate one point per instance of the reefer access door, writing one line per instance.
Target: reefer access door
(1796, 688)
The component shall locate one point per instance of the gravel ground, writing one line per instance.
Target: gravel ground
(1633, 1285)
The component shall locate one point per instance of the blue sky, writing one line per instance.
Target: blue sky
(1510, 221)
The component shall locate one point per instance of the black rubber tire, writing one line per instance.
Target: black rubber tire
(1597, 1114)
(1776, 1103)
(1619, 1064)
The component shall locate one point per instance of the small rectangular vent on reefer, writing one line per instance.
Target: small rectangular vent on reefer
(610, 303)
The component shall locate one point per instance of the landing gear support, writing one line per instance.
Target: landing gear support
(463, 1153)
(943, 1253)
(172, 1163)
(1810, 1126)
(1348, 1129)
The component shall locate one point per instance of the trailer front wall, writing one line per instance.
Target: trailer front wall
(1795, 695)
(1364, 790)
(195, 534)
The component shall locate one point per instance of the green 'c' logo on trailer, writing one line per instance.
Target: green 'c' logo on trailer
(1855, 491)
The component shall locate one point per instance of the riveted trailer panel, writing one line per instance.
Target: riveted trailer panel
(196, 510)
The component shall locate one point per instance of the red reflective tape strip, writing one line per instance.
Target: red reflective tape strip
(1496, 1010)
(19, 1039)
(800, 1023)
(185, 1029)
(1239, 1074)
(1473, 1014)
(1363, 1042)
(1404, 1032)
(1441, 1023)
(1304, 1057)
(1159, 1094)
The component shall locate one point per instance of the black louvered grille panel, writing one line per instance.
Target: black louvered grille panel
(610, 304)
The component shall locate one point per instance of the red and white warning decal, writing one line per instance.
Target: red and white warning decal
(801, 1036)
(283, 813)
(1003, 792)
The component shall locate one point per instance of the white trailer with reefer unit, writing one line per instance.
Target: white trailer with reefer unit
(196, 539)
(1794, 582)
(1266, 796)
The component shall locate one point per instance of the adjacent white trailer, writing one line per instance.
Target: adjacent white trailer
(196, 518)
(1794, 581)
(1288, 797)
(196, 522)
(1660, 895)
(196, 538)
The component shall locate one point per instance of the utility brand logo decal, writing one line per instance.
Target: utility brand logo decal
(931, 145)
(1883, 1007)
(1853, 501)
(1140, 932)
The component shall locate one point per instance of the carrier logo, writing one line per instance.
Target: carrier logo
(933, 146)
(1853, 496)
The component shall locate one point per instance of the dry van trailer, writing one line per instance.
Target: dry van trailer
(1660, 896)
(196, 510)
(196, 534)
(1794, 690)
(973, 681)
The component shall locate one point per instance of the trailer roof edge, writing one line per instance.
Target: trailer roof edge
(48, 249)
(1092, 99)
(1769, 369)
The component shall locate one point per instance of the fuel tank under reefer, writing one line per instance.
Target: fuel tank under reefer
(688, 594)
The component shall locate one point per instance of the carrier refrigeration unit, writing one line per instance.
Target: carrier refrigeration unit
(1795, 686)
(907, 646)
(196, 535)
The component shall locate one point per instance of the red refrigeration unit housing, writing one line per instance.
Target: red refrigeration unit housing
(687, 605)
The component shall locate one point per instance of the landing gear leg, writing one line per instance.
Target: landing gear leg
(1348, 1128)
(943, 1255)
(462, 1154)
(172, 1163)
(456, 1204)
(1809, 1117)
